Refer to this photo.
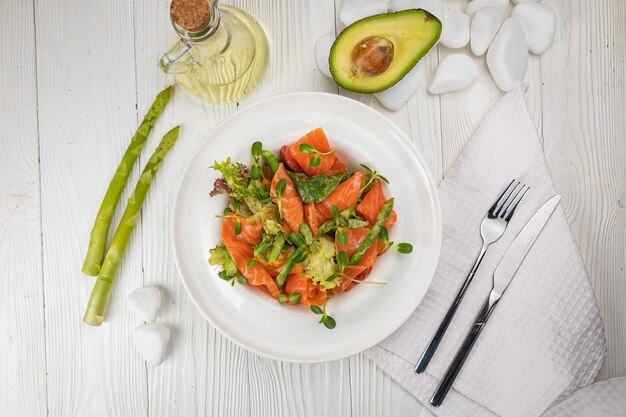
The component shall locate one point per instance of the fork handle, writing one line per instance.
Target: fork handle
(457, 363)
(443, 326)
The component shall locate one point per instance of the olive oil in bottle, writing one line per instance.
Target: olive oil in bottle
(221, 53)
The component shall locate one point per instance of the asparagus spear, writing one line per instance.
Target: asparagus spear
(383, 216)
(101, 292)
(100, 230)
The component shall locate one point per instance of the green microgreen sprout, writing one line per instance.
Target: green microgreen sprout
(342, 261)
(309, 149)
(281, 186)
(371, 178)
(326, 320)
(251, 263)
(237, 227)
(237, 277)
(255, 169)
(342, 237)
(404, 247)
(298, 240)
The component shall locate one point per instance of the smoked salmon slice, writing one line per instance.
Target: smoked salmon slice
(242, 254)
(250, 231)
(289, 160)
(311, 293)
(337, 167)
(317, 139)
(343, 197)
(354, 238)
(310, 214)
(292, 209)
(372, 202)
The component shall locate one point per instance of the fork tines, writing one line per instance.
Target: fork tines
(507, 203)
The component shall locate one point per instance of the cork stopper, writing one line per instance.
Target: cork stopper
(191, 15)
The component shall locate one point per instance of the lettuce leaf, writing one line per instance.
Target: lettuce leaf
(321, 262)
(221, 257)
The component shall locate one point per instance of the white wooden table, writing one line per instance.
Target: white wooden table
(78, 75)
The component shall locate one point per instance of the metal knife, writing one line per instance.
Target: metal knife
(506, 270)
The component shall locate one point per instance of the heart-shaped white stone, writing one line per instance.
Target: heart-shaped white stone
(145, 303)
(507, 57)
(456, 72)
(434, 7)
(475, 5)
(539, 24)
(395, 96)
(322, 52)
(151, 341)
(353, 10)
(483, 28)
(456, 30)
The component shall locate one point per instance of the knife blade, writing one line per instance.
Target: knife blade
(502, 276)
(515, 254)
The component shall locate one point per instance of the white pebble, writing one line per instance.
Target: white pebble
(475, 5)
(456, 72)
(145, 303)
(394, 97)
(322, 52)
(539, 24)
(483, 28)
(353, 10)
(151, 341)
(524, 1)
(456, 31)
(434, 7)
(507, 57)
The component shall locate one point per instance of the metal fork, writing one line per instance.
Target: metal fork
(491, 229)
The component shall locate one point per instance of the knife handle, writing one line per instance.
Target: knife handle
(443, 326)
(458, 361)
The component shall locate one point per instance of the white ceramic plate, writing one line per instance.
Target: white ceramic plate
(365, 315)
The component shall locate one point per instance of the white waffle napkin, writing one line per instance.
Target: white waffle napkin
(545, 338)
(602, 399)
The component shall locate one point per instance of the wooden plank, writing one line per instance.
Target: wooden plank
(462, 112)
(201, 364)
(87, 97)
(22, 339)
(279, 388)
(374, 393)
(222, 378)
(583, 106)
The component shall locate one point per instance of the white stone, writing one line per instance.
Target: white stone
(145, 303)
(507, 57)
(524, 1)
(151, 342)
(322, 52)
(397, 95)
(434, 7)
(456, 72)
(475, 5)
(353, 10)
(483, 28)
(539, 24)
(456, 30)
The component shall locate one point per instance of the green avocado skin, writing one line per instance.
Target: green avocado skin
(405, 61)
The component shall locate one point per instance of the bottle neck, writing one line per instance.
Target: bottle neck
(204, 33)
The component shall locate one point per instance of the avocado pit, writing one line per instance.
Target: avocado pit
(372, 56)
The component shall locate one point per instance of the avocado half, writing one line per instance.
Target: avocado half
(374, 53)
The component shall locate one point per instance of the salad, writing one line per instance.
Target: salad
(302, 227)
